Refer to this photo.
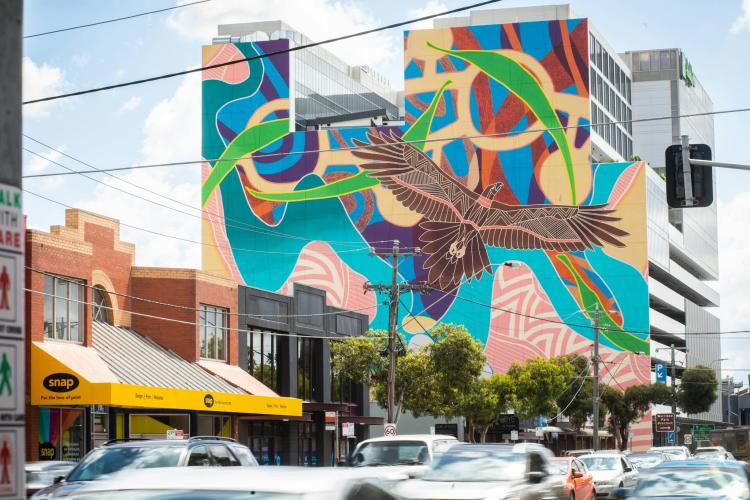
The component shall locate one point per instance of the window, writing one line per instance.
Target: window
(263, 357)
(63, 309)
(222, 456)
(307, 387)
(102, 307)
(199, 457)
(213, 325)
(214, 425)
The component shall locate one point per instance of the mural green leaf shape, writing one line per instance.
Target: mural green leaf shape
(521, 83)
(248, 141)
(417, 132)
(609, 329)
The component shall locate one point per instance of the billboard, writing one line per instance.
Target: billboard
(522, 237)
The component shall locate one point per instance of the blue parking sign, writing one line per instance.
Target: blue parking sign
(661, 372)
(670, 437)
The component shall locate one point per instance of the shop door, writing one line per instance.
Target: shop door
(61, 434)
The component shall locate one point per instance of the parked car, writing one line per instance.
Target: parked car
(646, 460)
(575, 480)
(691, 479)
(497, 471)
(610, 470)
(117, 455)
(674, 452)
(39, 475)
(235, 483)
(578, 453)
(404, 450)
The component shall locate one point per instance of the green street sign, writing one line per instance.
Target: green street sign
(702, 432)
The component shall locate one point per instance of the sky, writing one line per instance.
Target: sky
(160, 122)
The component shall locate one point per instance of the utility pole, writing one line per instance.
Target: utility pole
(674, 387)
(394, 291)
(595, 361)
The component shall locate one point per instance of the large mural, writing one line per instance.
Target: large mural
(522, 238)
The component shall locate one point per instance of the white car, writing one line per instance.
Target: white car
(610, 471)
(398, 451)
(674, 452)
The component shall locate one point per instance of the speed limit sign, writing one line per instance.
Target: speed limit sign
(389, 430)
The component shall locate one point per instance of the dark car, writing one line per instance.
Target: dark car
(691, 479)
(118, 455)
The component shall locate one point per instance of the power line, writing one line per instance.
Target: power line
(259, 56)
(157, 233)
(414, 141)
(98, 23)
(194, 309)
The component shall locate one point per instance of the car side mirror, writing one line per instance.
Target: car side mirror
(58, 479)
(416, 472)
(535, 477)
(344, 462)
(577, 474)
(619, 493)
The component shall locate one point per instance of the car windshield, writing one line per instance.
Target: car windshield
(391, 453)
(673, 451)
(477, 466)
(559, 467)
(646, 461)
(706, 482)
(104, 461)
(601, 463)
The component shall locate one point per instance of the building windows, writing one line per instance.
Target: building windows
(263, 358)
(213, 325)
(102, 307)
(63, 309)
(307, 383)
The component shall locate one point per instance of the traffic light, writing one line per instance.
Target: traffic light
(701, 177)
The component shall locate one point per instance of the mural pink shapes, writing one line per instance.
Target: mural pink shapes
(234, 73)
(319, 266)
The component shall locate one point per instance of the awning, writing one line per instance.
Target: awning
(65, 374)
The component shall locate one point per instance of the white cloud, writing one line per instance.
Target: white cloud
(130, 104)
(431, 7)
(318, 19)
(40, 81)
(80, 60)
(743, 21)
(39, 165)
(171, 132)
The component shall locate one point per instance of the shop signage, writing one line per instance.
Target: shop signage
(506, 423)
(665, 422)
(447, 430)
(389, 430)
(330, 420)
(208, 400)
(175, 434)
(347, 429)
(60, 382)
(47, 451)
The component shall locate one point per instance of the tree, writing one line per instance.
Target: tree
(628, 406)
(697, 390)
(483, 401)
(539, 382)
(576, 401)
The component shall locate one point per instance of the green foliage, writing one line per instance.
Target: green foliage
(483, 401)
(697, 390)
(628, 406)
(360, 358)
(539, 382)
(576, 401)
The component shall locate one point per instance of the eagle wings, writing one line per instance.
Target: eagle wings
(459, 223)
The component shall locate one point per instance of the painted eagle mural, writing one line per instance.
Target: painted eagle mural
(459, 223)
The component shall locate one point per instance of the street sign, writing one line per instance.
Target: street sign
(447, 430)
(173, 434)
(661, 372)
(389, 430)
(665, 422)
(506, 423)
(347, 429)
(330, 420)
(670, 437)
(11, 463)
(688, 439)
(539, 432)
(514, 435)
(702, 432)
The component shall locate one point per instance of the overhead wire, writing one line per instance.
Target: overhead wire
(259, 56)
(107, 21)
(410, 141)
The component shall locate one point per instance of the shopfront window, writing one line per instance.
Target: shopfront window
(213, 331)
(61, 434)
(63, 309)
(154, 426)
(215, 425)
(307, 444)
(263, 357)
(265, 442)
(102, 307)
(307, 353)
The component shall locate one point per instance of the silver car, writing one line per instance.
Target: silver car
(674, 452)
(486, 471)
(610, 471)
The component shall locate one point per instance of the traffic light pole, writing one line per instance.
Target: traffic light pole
(595, 392)
(674, 387)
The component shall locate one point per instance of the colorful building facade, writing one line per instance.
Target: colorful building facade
(523, 240)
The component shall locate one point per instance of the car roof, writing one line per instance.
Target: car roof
(428, 438)
(501, 447)
(170, 442)
(281, 479)
(700, 463)
(667, 448)
(609, 454)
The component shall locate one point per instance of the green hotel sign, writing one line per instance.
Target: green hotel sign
(686, 71)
